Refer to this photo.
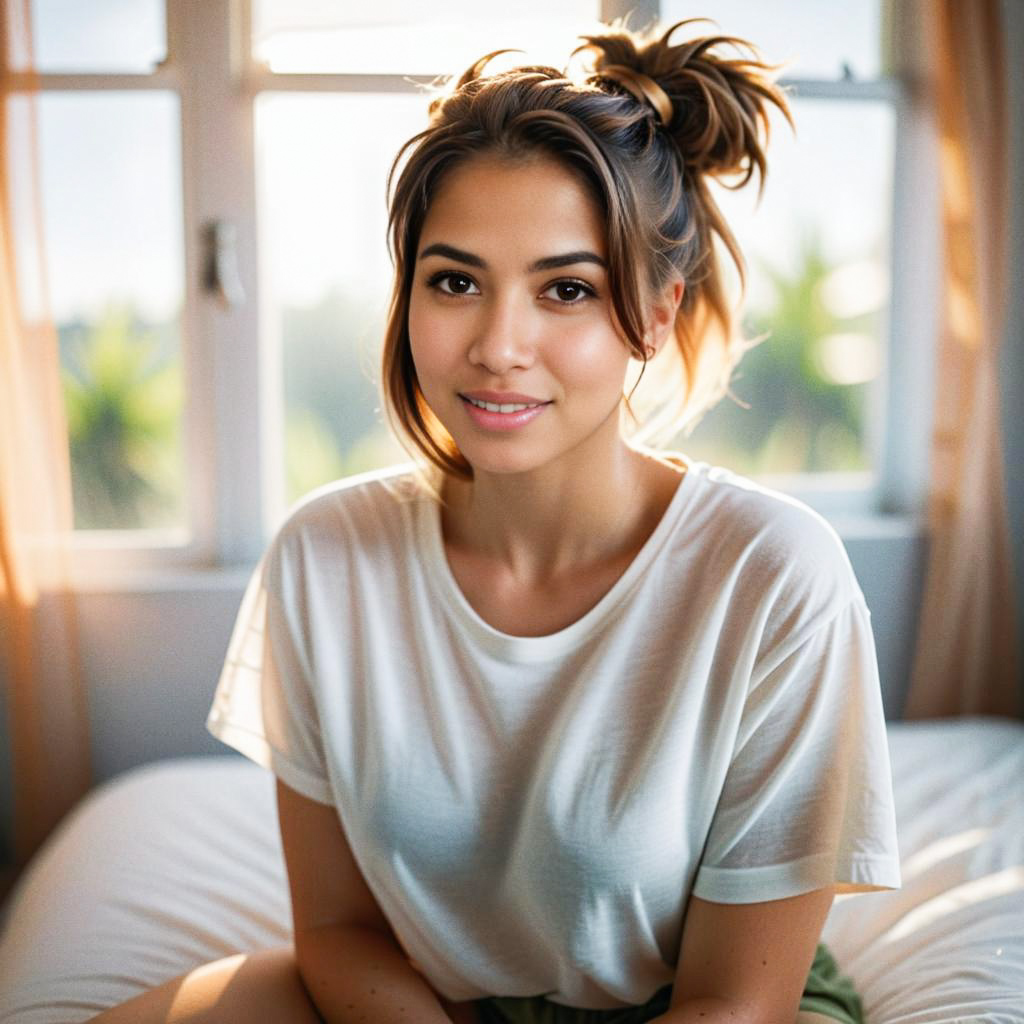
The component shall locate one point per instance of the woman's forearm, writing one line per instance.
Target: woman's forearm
(356, 975)
(706, 1011)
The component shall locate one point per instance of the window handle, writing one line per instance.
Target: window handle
(220, 263)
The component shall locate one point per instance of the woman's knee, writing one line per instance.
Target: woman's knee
(264, 985)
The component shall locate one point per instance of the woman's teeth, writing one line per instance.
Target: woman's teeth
(494, 407)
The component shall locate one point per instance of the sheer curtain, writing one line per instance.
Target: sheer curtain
(967, 659)
(46, 708)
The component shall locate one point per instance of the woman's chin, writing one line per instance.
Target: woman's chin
(502, 465)
(503, 458)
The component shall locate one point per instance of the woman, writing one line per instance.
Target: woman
(564, 730)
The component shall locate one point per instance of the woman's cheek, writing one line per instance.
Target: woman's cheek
(585, 354)
(434, 331)
(424, 335)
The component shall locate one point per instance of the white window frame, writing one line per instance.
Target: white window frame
(233, 446)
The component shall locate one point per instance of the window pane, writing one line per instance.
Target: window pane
(325, 272)
(122, 36)
(817, 251)
(406, 37)
(112, 220)
(819, 35)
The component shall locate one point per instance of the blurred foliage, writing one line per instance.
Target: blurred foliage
(797, 419)
(312, 455)
(123, 397)
(334, 425)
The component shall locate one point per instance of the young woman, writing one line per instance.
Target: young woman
(565, 730)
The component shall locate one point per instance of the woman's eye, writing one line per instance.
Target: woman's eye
(565, 293)
(458, 284)
(571, 293)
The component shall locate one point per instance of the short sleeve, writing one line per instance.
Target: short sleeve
(264, 704)
(807, 801)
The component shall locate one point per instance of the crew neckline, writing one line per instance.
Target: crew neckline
(540, 648)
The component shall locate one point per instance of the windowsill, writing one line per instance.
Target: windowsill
(864, 527)
(150, 579)
(154, 580)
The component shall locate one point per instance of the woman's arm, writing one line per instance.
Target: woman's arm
(350, 961)
(746, 963)
(357, 974)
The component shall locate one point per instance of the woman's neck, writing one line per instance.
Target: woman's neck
(547, 523)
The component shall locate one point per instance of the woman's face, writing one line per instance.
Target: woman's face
(510, 308)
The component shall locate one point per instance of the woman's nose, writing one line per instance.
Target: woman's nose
(501, 339)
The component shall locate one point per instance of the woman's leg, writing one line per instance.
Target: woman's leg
(238, 989)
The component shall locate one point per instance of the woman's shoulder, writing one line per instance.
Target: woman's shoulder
(785, 525)
(376, 490)
(771, 544)
(355, 508)
(730, 502)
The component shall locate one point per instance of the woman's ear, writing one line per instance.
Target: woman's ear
(663, 315)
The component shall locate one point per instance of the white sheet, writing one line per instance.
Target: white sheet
(179, 863)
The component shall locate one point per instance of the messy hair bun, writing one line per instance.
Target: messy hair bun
(717, 103)
(643, 125)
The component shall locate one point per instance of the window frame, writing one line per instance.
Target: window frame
(232, 448)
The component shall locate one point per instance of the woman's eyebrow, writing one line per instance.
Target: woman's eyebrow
(547, 263)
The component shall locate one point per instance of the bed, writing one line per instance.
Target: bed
(178, 862)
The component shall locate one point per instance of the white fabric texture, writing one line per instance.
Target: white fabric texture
(178, 863)
(533, 813)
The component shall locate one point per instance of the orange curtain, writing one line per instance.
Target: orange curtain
(967, 659)
(47, 714)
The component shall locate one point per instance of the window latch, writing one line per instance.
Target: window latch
(220, 263)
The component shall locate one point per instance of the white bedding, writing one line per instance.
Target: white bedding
(179, 863)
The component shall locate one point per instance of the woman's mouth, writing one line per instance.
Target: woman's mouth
(502, 406)
(503, 415)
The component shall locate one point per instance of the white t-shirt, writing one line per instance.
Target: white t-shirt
(533, 813)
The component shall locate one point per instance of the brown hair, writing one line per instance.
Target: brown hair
(643, 128)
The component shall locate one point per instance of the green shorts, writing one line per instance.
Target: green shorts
(827, 992)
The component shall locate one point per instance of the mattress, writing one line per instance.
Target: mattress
(179, 862)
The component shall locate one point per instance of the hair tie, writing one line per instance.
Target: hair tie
(643, 88)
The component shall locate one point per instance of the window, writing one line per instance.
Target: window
(110, 168)
(810, 398)
(255, 137)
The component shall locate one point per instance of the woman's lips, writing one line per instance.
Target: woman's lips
(490, 419)
(503, 397)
